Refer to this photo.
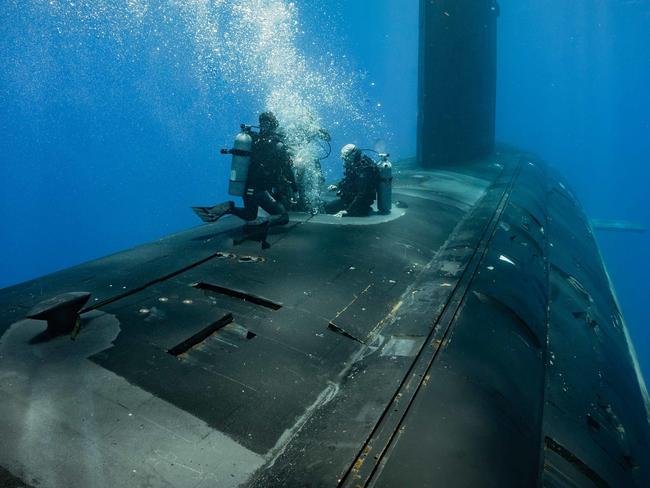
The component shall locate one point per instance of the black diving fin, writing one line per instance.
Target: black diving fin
(214, 213)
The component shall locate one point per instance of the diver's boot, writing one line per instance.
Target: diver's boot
(258, 230)
(253, 226)
(255, 230)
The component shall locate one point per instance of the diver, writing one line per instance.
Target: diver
(358, 188)
(270, 169)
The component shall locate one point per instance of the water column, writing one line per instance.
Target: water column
(457, 80)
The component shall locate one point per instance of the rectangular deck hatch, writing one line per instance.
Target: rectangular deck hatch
(247, 297)
(201, 336)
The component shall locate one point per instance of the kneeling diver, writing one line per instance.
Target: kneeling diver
(358, 188)
(270, 166)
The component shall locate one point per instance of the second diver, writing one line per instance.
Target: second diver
(357, 190)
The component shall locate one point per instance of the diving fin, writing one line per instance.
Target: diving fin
(212, 214)
(204, 214)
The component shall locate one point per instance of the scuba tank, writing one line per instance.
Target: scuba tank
(241, 161)
(385, 184)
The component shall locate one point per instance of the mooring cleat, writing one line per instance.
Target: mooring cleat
(62, 314)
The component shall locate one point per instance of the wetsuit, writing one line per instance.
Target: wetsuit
(270, 168)
(357, 190)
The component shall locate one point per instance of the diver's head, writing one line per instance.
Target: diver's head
(268, 122)
(350, 154)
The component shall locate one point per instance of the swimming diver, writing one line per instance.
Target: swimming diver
(358, 188)
(270, 168)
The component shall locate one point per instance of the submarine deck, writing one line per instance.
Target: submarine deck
(353, 351)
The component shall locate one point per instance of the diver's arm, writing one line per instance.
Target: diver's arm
(291, 176)
(286, 166)
(353, 204)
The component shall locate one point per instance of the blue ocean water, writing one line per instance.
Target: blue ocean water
(112, 113)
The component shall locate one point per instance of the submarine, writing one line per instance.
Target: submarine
(472, 337)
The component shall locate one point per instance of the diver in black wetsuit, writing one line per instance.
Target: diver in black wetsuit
(271, 168)
(358, 188)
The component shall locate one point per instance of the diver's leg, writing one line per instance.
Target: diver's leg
(335, 206)
(251, 207)
(278, 214)
(359, 210)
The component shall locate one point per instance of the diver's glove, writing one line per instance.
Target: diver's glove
(332, 188)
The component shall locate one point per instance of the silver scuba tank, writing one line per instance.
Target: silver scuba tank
(385, 184)
(241, 161)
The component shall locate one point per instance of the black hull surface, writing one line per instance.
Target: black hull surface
(471, 338)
